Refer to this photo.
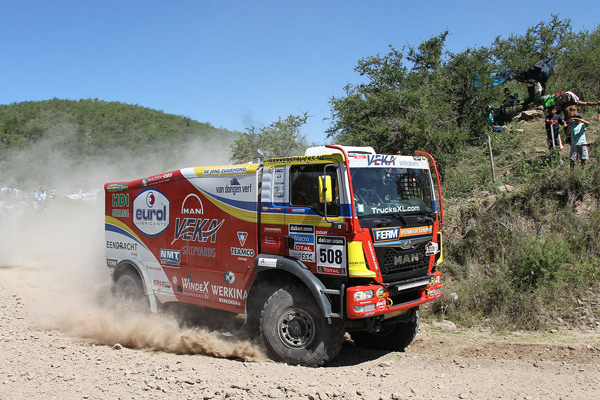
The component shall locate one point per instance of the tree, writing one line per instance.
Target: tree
(578, 67)
(520, 52)
(406, 108)
(280, 139)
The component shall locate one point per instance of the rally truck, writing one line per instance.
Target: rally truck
(305, 248)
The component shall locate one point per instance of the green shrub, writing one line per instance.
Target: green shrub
(540, 262)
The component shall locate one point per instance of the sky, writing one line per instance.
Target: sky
(236, 64)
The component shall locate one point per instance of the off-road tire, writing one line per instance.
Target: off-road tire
(393, 337)
(129, 290)
(294, 330)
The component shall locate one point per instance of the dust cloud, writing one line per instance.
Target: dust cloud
(62, 243)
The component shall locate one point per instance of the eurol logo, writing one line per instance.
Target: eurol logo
(151, 212)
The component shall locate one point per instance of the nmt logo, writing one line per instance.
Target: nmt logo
(170, 257)
(151, 212)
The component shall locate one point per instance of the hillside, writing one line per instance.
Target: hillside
(522, 252)
(52, 136)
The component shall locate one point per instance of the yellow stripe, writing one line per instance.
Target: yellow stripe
(120, 224)
(317, 159)
(224, 170)
(279, 219)
(244, 215)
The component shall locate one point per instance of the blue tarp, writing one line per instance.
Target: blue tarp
(496, 78)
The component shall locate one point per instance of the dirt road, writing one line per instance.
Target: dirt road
(61, 343)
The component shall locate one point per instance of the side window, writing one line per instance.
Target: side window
(304, 188)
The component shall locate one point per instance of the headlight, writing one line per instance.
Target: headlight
(365, 308)
(363, 295)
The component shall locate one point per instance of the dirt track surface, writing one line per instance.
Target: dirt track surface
(55, 348)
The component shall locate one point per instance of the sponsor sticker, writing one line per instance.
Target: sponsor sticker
(170, 257)
(117, 187)
(195, 289)
(242, 236)
(331, 255)
(151, 212)
(229, 277)
(267, 262)
(391, 234)
(304, 242)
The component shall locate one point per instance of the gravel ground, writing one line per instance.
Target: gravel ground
(80, 346)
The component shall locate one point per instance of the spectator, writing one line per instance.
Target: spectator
(509, 101)
(553, 122)
(576, 130)
(569, 105)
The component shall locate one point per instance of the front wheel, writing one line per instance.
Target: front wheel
(393, 337)
(295, 331)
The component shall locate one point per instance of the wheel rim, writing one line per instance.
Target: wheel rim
(129, 292)
(296, 328)
(128, 289)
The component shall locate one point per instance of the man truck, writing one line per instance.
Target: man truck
(305, 248)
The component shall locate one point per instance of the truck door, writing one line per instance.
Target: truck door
(311, 236)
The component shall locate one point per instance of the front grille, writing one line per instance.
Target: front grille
(398, 264)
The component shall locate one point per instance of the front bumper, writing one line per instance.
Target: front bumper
(392, 299)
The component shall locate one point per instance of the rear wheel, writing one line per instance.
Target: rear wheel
(295, 331)
(393, 337)
(130, 290)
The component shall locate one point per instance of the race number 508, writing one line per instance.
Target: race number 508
(331, 256)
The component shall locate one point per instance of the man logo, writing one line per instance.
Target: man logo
(229, 277)
(192, 205)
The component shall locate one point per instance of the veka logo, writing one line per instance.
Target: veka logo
(151, 212)
(380, 160)
(196, 229)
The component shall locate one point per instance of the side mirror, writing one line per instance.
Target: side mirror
(325, 190)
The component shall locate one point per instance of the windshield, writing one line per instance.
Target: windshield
(391, 191)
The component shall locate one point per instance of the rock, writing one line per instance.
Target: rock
(446, 325)
(530, 115)
(506, 189)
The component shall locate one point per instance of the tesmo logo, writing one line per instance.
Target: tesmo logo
(151, 212)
